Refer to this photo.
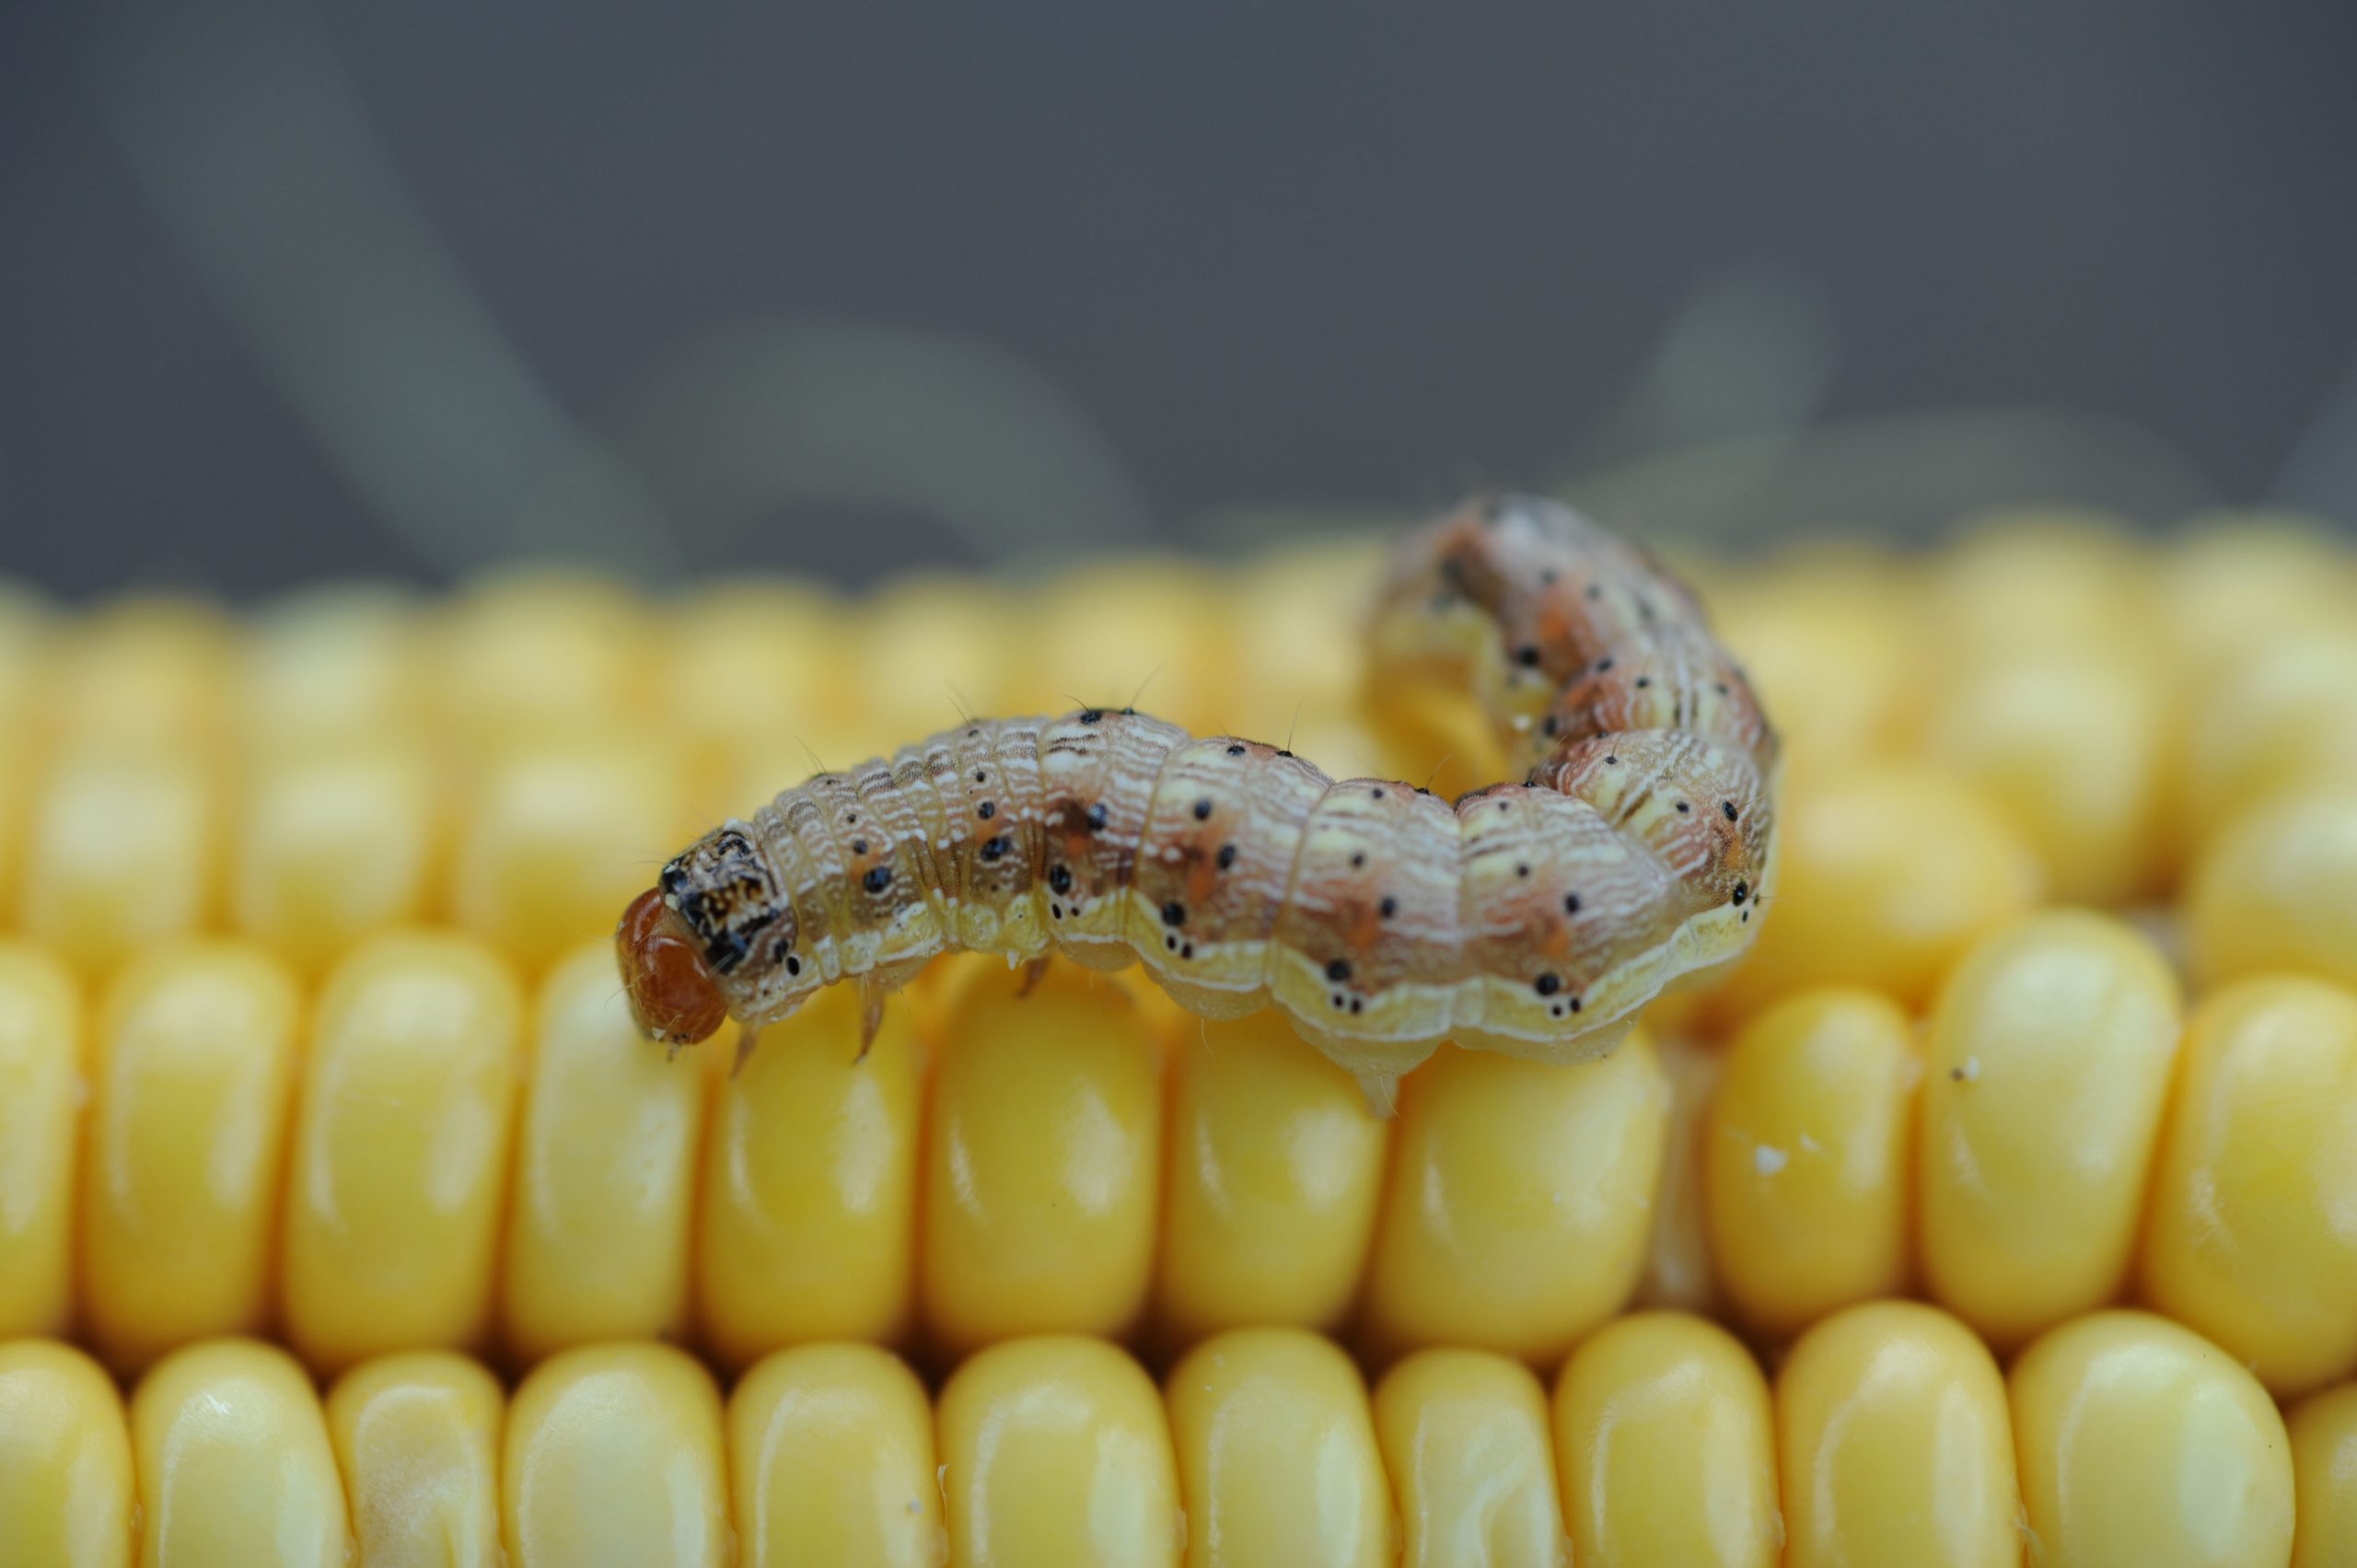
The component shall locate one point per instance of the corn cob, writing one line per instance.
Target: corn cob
(1889, 1436)
(355, 765)
(1075, 1160)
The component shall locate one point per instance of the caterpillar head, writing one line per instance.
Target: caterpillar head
(716, 930)
(672, 992)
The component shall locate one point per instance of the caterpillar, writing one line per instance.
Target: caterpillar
(1532, 918)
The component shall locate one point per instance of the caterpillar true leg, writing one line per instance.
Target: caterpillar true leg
(1532, 917)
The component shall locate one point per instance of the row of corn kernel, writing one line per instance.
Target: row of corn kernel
(1890, 1436)
(517, 762)
(1888, 869)
(416, 1163)
(2058, 1136)
(409, 1166)
(2119, 705)
(551, 653)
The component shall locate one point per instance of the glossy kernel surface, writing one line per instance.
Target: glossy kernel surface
(613, 1459)
(1896, 1444)
(2140, 1442)
(831, 1456)
(2249, 1238)
(1467, 1443)
(1534, 1178)
(2048, 1064)
(601, 1201)
(234, 1463)
(65, 1477)
(1808, 1153)
(806, 1227)
(400, 1150)
(418, 1438)
(1666, 1447)
(197, 1048)
(1275, 1168)
(1043, 1159)
(1278, 1459)
(1056, 1453)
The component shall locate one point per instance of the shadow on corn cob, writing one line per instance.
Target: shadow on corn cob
(366, 1139)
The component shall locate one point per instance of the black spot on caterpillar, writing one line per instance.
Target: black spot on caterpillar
(1380, 919)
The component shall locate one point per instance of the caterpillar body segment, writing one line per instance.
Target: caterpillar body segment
(1532, 918)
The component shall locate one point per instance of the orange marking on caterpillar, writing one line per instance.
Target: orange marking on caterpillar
(1533, 918)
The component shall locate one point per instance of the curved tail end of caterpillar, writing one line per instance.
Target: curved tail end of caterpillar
(1533, 917)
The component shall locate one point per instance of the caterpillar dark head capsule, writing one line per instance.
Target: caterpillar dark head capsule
(672, 992)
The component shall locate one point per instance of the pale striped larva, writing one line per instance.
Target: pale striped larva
(1531, 918)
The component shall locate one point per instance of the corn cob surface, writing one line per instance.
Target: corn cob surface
(309, 1031)
(1888, 1434)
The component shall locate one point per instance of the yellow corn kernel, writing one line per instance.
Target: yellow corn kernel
(30, 639)
(41, 1087)
(604, 1188)
(1294, 611)
(2142, 1441)
(2045, 1075)
(119, 850)
(753, 660)
(1427, 731)
(65, 1487)
(2282, 714)
(1465, 1438)
(17, 770)
(2236, 580)
(1895, 1443)
(2073, 744)
(400, 1150)
(613, 1456)
(1043, 1158)
(1274, 1169)
(563, 835)
(148, 672)
(1055, 1454)
(185, 1146)
(26, 641)
(333, 845)
(1520, 1194)
(1835, 648)
(2323, 1465)
(2278, 891)
(1809, 1157)
(831, 1460)
(1678, 1272)
(2248, 1239)
(1886, 871)
(1134, 631)
(1665, 1449)
(810, 1184)
(2044, 579)
(906, 642)
(234, 1466)
(1278, 1463)
(332, 666)
(417, 1436)
(539, 653)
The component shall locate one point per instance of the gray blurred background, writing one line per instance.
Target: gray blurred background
(287, 292)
